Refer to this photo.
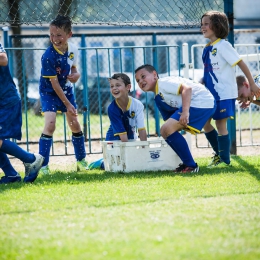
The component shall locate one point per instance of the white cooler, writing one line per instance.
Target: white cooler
(151, 155)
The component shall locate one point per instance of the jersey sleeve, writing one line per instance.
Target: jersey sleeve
(140, 116)
(73, 54)
(230, 54)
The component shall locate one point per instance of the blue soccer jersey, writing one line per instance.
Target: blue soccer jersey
(9, 95)
(220, 59)
(57, 64)
(128, 122)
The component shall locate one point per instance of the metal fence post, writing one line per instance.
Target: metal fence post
(231, 124)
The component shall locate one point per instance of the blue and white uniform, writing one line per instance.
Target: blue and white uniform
(220, 59)
(128, 122)
(10, 105)
(169, 101)
(57, 64)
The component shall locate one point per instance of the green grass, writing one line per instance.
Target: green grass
(214, 214)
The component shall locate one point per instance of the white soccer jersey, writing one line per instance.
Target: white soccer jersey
(169, 88)
(219, 60)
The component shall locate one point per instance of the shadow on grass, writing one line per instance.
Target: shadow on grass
(239, 164)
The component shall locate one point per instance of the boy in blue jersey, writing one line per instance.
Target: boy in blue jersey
(126, 115)
(183, 104)
(58, 74)
(10, 127)
(220, 58)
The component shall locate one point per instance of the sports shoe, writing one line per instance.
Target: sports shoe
(10, 179)
(45, 170)
(82, 165)
(99, 164)
(185, 169)
(32, 169)
(220, 164)
(215, 161)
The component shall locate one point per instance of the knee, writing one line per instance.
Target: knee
(50, 128)
(164, 131)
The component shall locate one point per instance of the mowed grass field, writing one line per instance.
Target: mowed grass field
(213, 214)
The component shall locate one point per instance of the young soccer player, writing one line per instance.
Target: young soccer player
(56, 90)
(126, 115)
(244, 90)
(219, 58)
(10, 127)
(183, 104)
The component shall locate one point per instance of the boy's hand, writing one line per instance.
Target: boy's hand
(184, 118)
(255, 90)
(72, 110)
(73, 77)
(244, 104)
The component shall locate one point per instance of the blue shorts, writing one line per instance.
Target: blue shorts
(197, 119)
(11, 122)
(52, 103)
(225, 109)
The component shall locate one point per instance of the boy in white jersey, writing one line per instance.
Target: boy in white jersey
(219, 58)
(183, 104)
(58, 74)
(244, 90)
(126, 115)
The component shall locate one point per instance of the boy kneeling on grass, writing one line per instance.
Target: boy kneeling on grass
(183, 104)
(126, 115)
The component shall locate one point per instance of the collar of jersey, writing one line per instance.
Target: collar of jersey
(128, 105)
(60, 52)
(213, 43)
(156, 88)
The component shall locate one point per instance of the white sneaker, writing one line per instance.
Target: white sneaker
(32, 169)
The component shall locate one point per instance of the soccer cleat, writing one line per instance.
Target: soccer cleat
(185, 169)
(10, 179)
(32, 169)
(220, 164)
(215, 161)
(99, 165)
(45, 170)
(82, 165)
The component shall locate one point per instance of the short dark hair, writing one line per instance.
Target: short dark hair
(123, 76)
(63, 22)
(148, 67)
(219, 23)
(240, 81)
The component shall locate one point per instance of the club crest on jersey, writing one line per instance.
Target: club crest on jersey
(132, 115)
(214, 52)
(71, 56)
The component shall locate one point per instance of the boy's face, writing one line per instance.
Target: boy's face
(146, 80)
(59, 38)
(244, 92)
(118, 88)
(206, 28)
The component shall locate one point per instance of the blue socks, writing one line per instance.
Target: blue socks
(224, 148)
(45, 148)
(178, 143)
(79, 147)
(13, 149)
(212, 137)
(6, 166)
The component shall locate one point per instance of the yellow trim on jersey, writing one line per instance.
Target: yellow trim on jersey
(128, 104)
(120, 133)
(191, 130)
(178, 92)
(156, 88)
(233, 65)
(60, 52)
(212, 43)
(143, 128)
(50, 77)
